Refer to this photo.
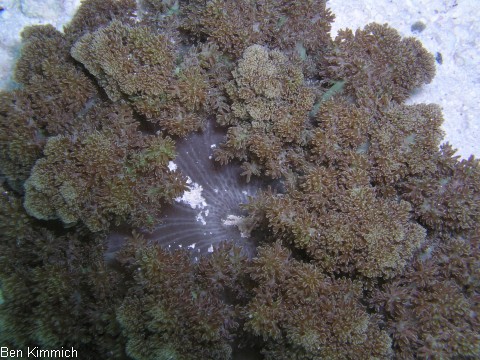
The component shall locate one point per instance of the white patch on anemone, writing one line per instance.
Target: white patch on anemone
(193, 196)
(172, 166)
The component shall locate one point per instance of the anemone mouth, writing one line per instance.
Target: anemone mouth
(209, 212)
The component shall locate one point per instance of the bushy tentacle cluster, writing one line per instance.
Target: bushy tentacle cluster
(109, 175)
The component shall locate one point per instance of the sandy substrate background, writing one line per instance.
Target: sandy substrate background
(451, 29)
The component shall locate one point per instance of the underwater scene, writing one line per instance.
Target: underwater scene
(193, 179)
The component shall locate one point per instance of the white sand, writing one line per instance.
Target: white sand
(452, 28)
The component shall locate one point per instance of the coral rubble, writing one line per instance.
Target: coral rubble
(364, 228)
